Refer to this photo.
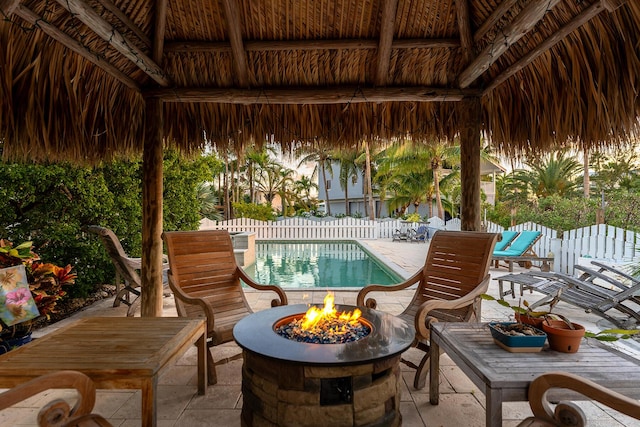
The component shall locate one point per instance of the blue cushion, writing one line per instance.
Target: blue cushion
(507, 237)
(520, 245)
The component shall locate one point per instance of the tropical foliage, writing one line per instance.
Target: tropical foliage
(50, 204)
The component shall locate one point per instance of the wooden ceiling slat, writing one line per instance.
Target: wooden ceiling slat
(521, 24)
(232, 14)
(464, 23)
(159, 30)
(284, 45)
(386, 40)
(107, 32)
(107, 4)
(497, 14)
(341, 95)
(53, 32)
(555, 38)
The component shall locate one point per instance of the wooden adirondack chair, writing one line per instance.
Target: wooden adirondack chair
(448, 287)
(126, 267)
(206, 282)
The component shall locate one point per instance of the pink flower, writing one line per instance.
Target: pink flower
(20, 296)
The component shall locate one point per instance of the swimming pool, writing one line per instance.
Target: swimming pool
(343, 264)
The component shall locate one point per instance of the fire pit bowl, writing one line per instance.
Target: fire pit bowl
(291, 383)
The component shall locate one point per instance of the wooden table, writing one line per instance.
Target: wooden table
(115, 352)
(505, 377)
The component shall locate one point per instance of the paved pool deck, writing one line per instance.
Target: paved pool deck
(461, 403)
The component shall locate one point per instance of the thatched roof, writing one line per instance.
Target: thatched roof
(332, 71)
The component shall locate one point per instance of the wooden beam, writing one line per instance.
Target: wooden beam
(75, 46)
(7, 7)
(524, 22)
(386, 40)
(107, 4)
(151, 271)
(107, 32)
(339, 95)
(159, 30)
(497, 14)
(580, 19)
(470, 202)
(464, 25)
(284, 45)
(235, 38)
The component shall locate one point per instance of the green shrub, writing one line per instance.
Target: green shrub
(50, 204)
(262, 212)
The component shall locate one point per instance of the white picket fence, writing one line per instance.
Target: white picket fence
(605, 243)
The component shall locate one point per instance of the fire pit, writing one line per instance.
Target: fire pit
(290, 383)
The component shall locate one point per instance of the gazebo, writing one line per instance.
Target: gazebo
(86, 80)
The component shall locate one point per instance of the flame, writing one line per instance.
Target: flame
(315, 316)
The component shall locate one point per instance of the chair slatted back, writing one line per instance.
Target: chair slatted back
(116, 253)
(456, 263)
(203, 265)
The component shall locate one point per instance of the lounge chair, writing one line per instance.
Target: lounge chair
(59, 412)
(521, 251)
(206, 282)
(507, 238)
(421, 234)
(448, 287)
(568, 413)
(599, 293)
(125, 268)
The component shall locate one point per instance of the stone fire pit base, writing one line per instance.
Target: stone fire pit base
(281, 393)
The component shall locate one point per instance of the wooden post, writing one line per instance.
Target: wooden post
(470, 164)
(151, 272)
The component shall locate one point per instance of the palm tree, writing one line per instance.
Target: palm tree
(209, 207)
(302, 189)
(322, 157)
(254, 160)
(349, 170)
(273, 180)
(441, 153)
(554, 174)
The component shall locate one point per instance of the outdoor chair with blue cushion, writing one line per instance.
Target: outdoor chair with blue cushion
(521, 251)
(507, 238)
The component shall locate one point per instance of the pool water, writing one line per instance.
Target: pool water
(318, 265)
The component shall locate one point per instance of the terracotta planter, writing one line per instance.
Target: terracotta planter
(561, 338)
(536, 322)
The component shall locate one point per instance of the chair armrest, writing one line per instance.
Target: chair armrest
(183, 297)
(371, 303)
(58, 412)
(277, 289)
(543, 411)
(421, 324)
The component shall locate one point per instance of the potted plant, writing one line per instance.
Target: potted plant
(517, 337)
(563, 335)
(29, 291)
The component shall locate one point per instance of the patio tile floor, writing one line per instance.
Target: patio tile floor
(461, 403)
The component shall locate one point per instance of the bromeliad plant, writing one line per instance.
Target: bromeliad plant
(46, 281)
